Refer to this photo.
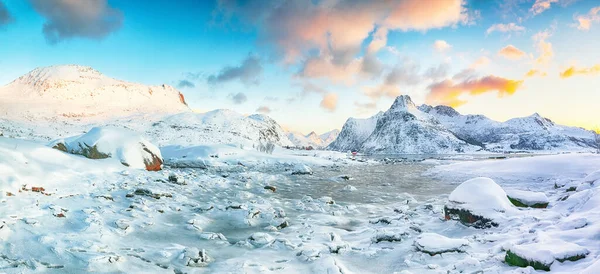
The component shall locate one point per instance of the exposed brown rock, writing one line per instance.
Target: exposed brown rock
(155, 164)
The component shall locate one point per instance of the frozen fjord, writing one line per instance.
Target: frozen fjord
(98, 215)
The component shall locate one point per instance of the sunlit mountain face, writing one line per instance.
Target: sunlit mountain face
(306, 61)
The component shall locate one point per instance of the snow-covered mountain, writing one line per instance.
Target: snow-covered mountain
(532, 133)
(72, 91)
(59, 101)
(312, 139)
(406, 128)
(329, 137)
(354, 133)
(220, 126)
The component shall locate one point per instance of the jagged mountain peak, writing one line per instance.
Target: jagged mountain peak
(403, 102)
(312, 134)
(446, 110)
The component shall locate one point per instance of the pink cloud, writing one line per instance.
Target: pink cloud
(511, 52)
(329, 102)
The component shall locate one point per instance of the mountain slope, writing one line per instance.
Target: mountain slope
(407, 130)
(532, 133)
(73, 91)
(328, 137)
(220, 126)
(60, 101)
(354, 133)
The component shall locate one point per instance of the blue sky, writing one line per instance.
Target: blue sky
(304, 62)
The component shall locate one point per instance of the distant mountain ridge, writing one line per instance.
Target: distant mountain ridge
(312, 139)
(406, 129)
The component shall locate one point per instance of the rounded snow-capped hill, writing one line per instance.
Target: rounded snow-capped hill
(72, 91)
(219, 126)
(130, 148)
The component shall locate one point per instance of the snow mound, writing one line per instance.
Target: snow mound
(478, 202)
(130, 148)
(433, 244)
(300, 169)
(592, 177)
(527, 198)
(547, 251)
(24, 163)
(593, 269)
(480, 195)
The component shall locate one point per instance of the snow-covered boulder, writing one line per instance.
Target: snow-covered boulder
(521, 198)
(478, 202)
(542, 255)
(592, 177)
(130, 148)
(301, 169)
(434, 244)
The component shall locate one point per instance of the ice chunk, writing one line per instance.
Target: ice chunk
(434, 244)
(301, 169)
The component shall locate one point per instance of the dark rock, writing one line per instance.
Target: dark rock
(467, 218)
(519, 203)
(271, 188)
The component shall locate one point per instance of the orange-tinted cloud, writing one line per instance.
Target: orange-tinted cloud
(448, 92)
(584, 22)
(339, 28)
(407, 75)
(329, 101)
(544, 48)
(480, 62)
(441, 45)
(323, 67)
(263, 109)
(424, 15)
(511, 52)
(534, 72)
(379, 40)
(572, 71)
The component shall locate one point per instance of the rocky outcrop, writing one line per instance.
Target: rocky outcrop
(128, 147)
(541, 255)
(521, 198)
